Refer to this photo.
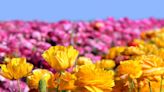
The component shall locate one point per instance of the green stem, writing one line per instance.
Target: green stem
(132, 86)
(42, 86)
(18, 83)
(57, 89)
(150, 88)
(161, 84)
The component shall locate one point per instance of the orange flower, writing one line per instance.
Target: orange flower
(91, 77)
(83, 61)
(129, 68)
(16, 68)
(115, 51)
(155, 85)
(159, 41)
(160, 53)
(67, 81)
(152, 66)
(38, 74)
(106, 64)
(148, 34)
(133, 51)
(60, 57)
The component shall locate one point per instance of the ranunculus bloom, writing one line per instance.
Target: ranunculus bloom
(91, 77)
(60, 57)
(155, 85)
(83, 61)
(106, 64)
(115, 51)
(129, 68)
(16, 69)
(67, 81)
(152, 66)
(133, 51)
(37, 75)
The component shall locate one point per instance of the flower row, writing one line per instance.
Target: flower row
(138, 67)
(92, 39)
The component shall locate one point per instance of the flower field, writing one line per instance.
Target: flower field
(107, 55)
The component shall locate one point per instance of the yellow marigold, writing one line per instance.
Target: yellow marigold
(91, 77)
(114, 51)
(133, 51)
(152, 66)
(148, 48)
(148, 34)
(38, 74)
(106, 64)
(155, 86)
(60, 57)
(16, 68)
(159, 41)
(160, 53)
(139, 41)
(67, 81)
(129, 68)
(83, 61)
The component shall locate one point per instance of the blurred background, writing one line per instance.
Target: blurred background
(55, 10)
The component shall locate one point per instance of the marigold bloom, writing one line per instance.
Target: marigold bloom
(148, 48)
(37, 75)
(129, 68)
(148, 34)
(160, 53)
(115, 51)
(133, 51)
(16, 69)
(83, 61)
(89, 77)
(155, 85)
(139, 41)
(159, 41)
(152, 66)
(106, 64)
(60, 57)
(67, 81)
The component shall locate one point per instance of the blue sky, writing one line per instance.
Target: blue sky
(54, 10)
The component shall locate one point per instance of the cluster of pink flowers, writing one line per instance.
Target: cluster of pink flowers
(92, 39)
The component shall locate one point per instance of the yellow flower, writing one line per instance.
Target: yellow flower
(148, 34)
(159, 41)
(38, 74)
(60, 57)
(91, 77)
(160, 53)
(16, 69)
(152, 66)
(106, 64)
(148, 48)
(83, 61)
(139, 41)
(155, 85)
(67, 81)
(129, 68)
(115, 51)
(133, 51)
